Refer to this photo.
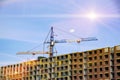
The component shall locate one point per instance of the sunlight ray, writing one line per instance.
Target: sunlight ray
(106, 25)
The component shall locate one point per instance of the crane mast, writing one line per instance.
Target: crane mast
(51, 43)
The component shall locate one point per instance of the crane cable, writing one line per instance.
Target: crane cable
(48, 37)
(45, 41)
(40, 44)
(68, 33)
(34, 47)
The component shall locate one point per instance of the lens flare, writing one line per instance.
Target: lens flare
(72, 30)
(92, 16)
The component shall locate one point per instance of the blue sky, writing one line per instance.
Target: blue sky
(24, 25)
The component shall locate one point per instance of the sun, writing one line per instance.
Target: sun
(92, 15)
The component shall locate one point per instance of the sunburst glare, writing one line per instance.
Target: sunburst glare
(92, 15)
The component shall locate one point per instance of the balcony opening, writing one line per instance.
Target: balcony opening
(95, 75)
(90, 58)
(58, 58)
(90, 70)
(75, 72)
(106, 68)
(95, 69)
(66, 56)
(90, 53)
(101, 69)
(100, 51)
(75, 60)
(80, 71)
(81, 54)
(100, 63)
(118, 60)
(95, 63)
(62, 57)
(75, 77)
(75, 66)
(66, 67)
(118, 74)
(75, 55)
(118, 54)
(100, 57)
(106, 75)
(70, 77)
(95, 58)
(95, 52)
(80, 65)
(106, 56)
(118, 67)
(80, 77)
(66, 78)
(101, 75)
(90, 76)
(81, 60)
(106, 62)
(90, 64)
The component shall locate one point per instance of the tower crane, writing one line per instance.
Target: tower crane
(52, 43)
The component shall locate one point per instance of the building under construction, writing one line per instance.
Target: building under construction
(98, 64)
